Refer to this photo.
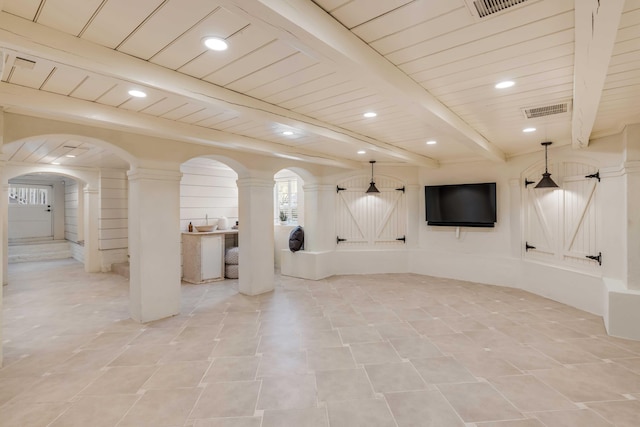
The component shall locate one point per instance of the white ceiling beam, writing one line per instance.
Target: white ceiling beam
(596, 28)
(42, 42)
(18, 99)
(305, 25)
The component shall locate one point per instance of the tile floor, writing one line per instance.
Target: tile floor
(376, 350)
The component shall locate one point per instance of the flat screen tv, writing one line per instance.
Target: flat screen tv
(462, 205)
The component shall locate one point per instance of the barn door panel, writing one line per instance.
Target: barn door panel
(580, 219)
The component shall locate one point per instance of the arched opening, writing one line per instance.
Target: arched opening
(288, 202)
(208, 221)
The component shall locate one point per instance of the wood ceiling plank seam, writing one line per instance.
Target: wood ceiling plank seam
(50, 149)
(213, 116)
(371, 102)
(80, 83)
(153, 104)
(39, 11)
(382, 15)
(27, 148)
(318, 95)
(175, 114)
(294, 91)
(435, 67)
(103, 94)
(512, 37)
(286, 79)
(141, 24)
(53, 70)
(172, 109)
(92, 18)
(353, 13)
(180, 119)
(263, 68)
(333, 101)
(184, 33)
(405, 17)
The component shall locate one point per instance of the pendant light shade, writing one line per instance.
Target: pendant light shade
(372, 185)
(546, 181)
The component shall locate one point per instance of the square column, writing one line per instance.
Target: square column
(255, 235)
(90, 211)
(154, 243)
(319, 217)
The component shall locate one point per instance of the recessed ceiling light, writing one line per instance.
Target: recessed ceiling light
(505, 84)
(369, 114)
(527, 130)
(137, 93)
(287, 133)
(215, 43)
(432, 142)
(362, 152)
(55, 163)
(70, 155)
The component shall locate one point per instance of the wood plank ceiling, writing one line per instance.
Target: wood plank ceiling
(426, 67)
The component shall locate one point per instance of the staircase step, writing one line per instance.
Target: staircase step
(121, 268)
(54, 249)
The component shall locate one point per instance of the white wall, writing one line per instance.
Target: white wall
(113, 221)
(208, 188)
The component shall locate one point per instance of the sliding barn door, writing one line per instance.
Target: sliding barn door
(377, 219)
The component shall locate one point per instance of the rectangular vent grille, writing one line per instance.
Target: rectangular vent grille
(489, 7)
(546, 110)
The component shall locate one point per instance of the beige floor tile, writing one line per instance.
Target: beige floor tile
(288, 392)
(234, 399)
(600, 348)
(96, 411)
(309, 417)
(408, 314)
(26, 414)
(476, 402)
(513, 423)
(161, 408)
(57, 387)
(156, 336)
(197, 334)
(330, 359)
(86, 360)
(236, 347)
(632, 364)
(621, 414)
(236, 330)
(229, 422)
(576, 385)
(486, 364)
(565, 352)
(528, 394)
(177, 375)
(431, 327)
(321, 339)
(12, 387)
(373, 353)
(454, 343)
(360, 413)
(120, 380)
(440, 370)
(581, 417)
(462, 324)
(415, 348)
(524, 357)
(273, 364)
(422, 408)
(141, 355)
(359, 334)
(279, 343)
(398, 330)
(346, 384)
(111, 339)
(394, 377)
(188, 352)
(226, 369)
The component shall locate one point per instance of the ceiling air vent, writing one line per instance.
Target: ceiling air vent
(546, 110)
(486, 8)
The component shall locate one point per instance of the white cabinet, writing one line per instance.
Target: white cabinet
(202, 257)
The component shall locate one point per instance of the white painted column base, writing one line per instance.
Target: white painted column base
(154, 243)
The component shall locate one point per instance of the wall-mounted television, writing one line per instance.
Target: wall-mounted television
(462, 205)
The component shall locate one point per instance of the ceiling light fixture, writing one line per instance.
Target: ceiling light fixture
(215, 43)
(528, 130)
(287, 133)
(369, 114)
(505, 84)
(372, 185)
(432, 142)
(137, 93)
(362, 152)
(546, 181)
(55, 163)
(70, 155)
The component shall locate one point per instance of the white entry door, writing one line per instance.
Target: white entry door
(30, 214)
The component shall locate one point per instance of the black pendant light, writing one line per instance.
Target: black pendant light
(372, 185)
(546, 181)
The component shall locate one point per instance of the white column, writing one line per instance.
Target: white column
(414, 219)
(4, 245)
(91, 213)
(319, 217)
(632, 177)
(255, 235)
(154, 243)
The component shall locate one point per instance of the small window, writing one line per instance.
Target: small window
(28, 195)
(286, 200)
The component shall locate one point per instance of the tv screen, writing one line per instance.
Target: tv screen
(463, 205)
